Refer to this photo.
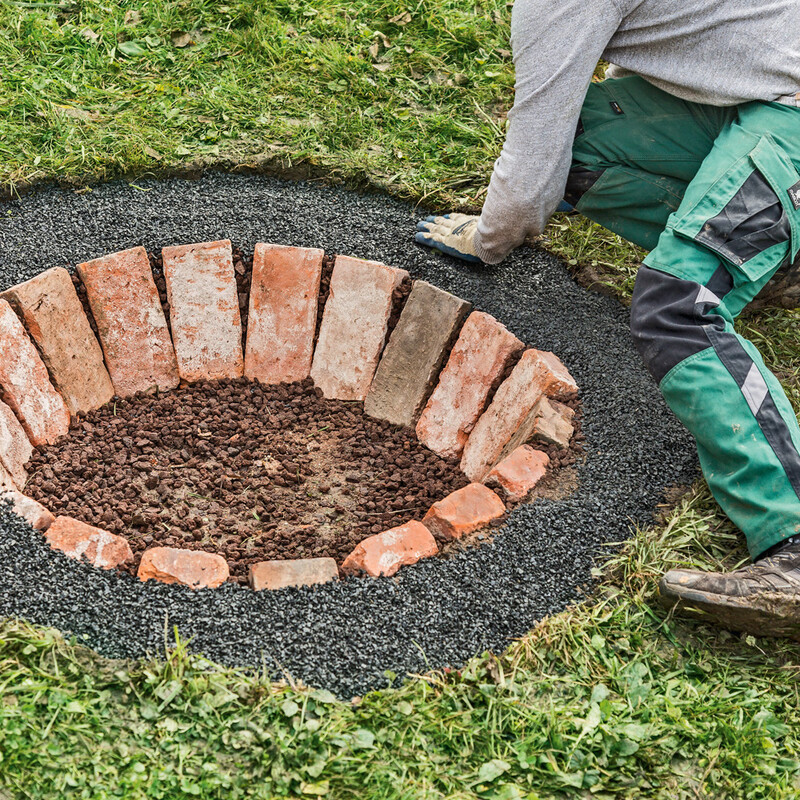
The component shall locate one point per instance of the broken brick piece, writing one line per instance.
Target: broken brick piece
(204, 310)
(193, 568)
(54, 317)
(6, 481)
(15, 447)
(79, 540)
(548, 422)
(464, 511)
(282, 319)
(415, 354)
(517, 474)
(35, 514)
(384, 553)
(509, 409)
(292, 572)
(130, 322)
(481, 353)
(25, 384)
(554, 377)
(354, 326)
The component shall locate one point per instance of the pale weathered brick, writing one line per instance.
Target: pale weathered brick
(481, 353)
(15, 447)
(518, 473)
(6, 481)
(549, 422)
(464, 511)
(25, 384)
(509, 409)
(354, 326)
(282, 319)
(204, 310)
(292, 572)
(53, 314)
(130, 322)
(79, 540)
(193, 568)
(384, 553)
(553, 376)
(415, 354)
(26, 507)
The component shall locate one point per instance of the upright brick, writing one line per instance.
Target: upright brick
(79, 540)
(477, 361)
(204, 310)
(548, 422)
(130, 321)
(354, 326)
(464, 511)
(15, 447)
(282, 319)
(25, 384)
(509, 409)
(518, 473)
(554, 377)
(384, 553)
(292, 572)
(32, 512)
(6, 481)
(54, 317)
(415, 354)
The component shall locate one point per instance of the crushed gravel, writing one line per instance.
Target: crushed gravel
(344, 636)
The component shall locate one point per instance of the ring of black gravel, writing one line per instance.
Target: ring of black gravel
(346, 635)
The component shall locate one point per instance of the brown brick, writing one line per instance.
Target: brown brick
(53, 314)
(384, 553)
(509, 409)
(477, 361)
(79, 540)
(464, 511)
(204, 310)
(554, 377)
(282, 319)
(295, 572)
(192, 568)
(354, 326)
(415, 354)
(517, 474)
(130, 321)
(32, 512)
(25, 384)
(15, 447)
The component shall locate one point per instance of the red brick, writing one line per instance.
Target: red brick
(79, 540)
(204, 310)
(554, 377)
(192, 568)
(27, 508)
(477, 361)
(295, 572)
(354, 327)
(53, 314)
(384, 553)
(509, 409)
(15, 447)
(26, 385)
(517, 474)
(464, 511)
(282, 319)
(548, 422)
(414, 355)
(131, 323)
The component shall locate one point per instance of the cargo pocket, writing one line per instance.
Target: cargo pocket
(748, 216)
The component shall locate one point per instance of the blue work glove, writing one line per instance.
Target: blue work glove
(452, 234)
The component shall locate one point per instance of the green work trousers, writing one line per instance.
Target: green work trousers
(714, 194)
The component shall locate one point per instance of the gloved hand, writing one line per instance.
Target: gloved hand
(452, 234)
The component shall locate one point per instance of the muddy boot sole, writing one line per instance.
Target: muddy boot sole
(764, 614)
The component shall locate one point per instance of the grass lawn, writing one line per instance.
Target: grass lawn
(612, 698)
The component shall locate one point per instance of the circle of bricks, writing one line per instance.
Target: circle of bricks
(420, 358)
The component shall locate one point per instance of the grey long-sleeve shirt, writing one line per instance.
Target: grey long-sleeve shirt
(721, 52)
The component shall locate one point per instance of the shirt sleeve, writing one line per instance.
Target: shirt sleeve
(556, 48)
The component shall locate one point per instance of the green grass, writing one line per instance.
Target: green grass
(612, 698)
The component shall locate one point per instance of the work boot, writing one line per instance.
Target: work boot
(763, 598)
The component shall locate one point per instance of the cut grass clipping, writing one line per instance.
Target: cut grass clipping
(610, 699)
